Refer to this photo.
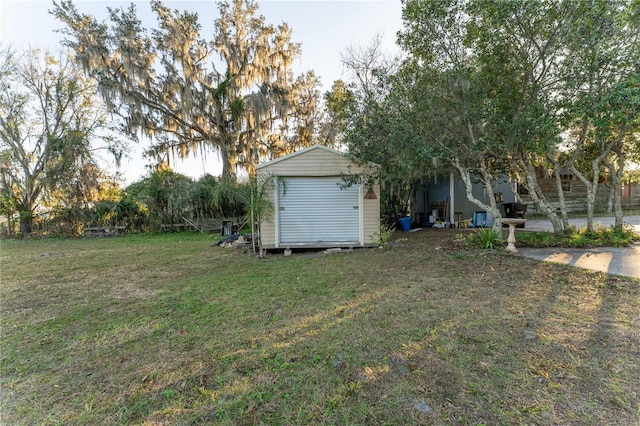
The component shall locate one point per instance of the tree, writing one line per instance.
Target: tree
(260, 206)
(448, 97)
(307, 114)
(166, 84)
(556, 68)
(338, 101)
(602, 92)
(519, 47)
(202, 207)
(384, 133)
(376, 126)
(51, 125)
(504, 83)
(230, 199)
(8, 208)
(168, 196)
(7, 201)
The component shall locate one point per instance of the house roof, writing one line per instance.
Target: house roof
(302, 151)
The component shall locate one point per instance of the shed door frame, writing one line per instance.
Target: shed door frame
(277, 241)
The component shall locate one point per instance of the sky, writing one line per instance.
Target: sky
(324, 28)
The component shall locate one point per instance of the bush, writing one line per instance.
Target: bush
(607, 237)
(537, 239)
(611, 236)
(383, 237)
(579, 240)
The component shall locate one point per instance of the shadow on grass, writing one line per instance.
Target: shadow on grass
(410, 335)
(521, 355)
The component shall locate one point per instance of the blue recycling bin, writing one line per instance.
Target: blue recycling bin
(405, 223)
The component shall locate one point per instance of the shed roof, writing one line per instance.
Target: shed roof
(302, 151)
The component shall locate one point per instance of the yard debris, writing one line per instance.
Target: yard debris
(399, 364)
(420, 405)
(333, 250)
(235, 241)
(441, 225)
(338, 250)
(338, 360)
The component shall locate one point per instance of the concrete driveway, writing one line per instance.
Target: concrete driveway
(613, 260)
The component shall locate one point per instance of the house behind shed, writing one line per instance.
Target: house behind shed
(312, 208)
(430, 195)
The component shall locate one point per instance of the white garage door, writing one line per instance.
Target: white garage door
(316, 210)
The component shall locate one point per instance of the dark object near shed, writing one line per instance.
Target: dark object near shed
(226, 228)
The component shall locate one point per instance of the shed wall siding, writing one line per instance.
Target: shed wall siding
(371, 217)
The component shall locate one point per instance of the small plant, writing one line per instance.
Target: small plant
(260, 206)
(486, 238)
(383, 237)
(579, 240)
(168, 393)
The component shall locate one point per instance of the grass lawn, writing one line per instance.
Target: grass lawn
(166, 329)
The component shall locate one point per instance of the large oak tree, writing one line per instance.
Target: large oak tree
(234, 93)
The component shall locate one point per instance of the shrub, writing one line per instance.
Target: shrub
(383, 237)
(537, 239)
(486, 238)
(608, 237)
(579, 240)
(613, 237)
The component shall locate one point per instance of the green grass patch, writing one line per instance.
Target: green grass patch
(170, 329)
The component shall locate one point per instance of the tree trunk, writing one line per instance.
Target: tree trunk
(611, 198)
(615, 174)
(617, 186)
(229, 162)
(617, 203)
(591, 187)
(468, 184)
(537, 196)
(561, 201)
(10, 224)
(26, 223)
(488, 191)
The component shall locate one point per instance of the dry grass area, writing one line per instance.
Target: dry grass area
(167, 329)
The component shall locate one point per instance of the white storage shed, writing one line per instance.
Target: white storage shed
(311, 208)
